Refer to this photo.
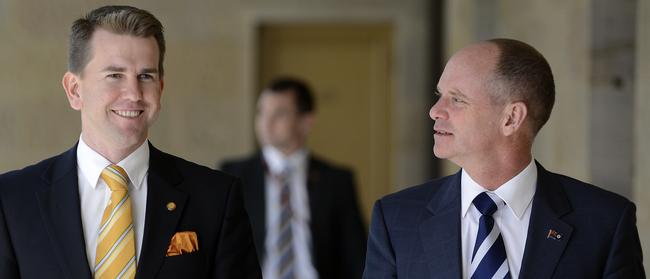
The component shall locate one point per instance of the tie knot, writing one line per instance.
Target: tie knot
(283, 175)
(485, 204)
(116, 178)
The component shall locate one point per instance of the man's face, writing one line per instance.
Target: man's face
(119, 90)
(278, 122)
(466, 119)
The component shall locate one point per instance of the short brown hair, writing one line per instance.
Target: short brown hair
(303, 96)
(525, 75)
(117, 19)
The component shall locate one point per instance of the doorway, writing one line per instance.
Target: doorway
(348, 66)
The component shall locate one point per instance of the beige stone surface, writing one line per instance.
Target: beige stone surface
(641, 178)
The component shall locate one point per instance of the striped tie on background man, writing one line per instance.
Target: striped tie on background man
(115, 256)
(284, 243)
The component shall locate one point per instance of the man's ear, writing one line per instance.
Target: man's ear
(162, 85)
(514, 116)
(70, 84)
(306, 123)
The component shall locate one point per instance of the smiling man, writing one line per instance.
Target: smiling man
(502, 215)
(114, 206)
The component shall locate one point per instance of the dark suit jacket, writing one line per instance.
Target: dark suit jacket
(415, 233)
(41, 234)
(338, 232)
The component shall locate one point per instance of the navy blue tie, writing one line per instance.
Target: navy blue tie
(489, 258)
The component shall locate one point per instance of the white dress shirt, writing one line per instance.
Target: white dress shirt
(297, 165)
(94, 194)
(512, 219)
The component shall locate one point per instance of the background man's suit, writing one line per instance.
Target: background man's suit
(338, 233)
(41, 234)
(576, 231)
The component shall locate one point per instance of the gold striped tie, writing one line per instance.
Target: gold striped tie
(115, 257)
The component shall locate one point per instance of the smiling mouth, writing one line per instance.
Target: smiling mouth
(128, 113)
(441, 133)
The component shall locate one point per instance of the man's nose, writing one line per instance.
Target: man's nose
(438, 110)
(132, 89)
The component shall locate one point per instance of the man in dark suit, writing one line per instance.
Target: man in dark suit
(304, 211)
(114, 206)
(503, 215)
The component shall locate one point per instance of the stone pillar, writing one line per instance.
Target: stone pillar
(641, 177)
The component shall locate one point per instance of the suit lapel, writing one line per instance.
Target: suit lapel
(440, 230)
(60, 208)
(255, 200)
(313, 182)
(548, 235)
(160, 223)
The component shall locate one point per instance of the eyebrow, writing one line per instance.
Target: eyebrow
(452, 92)
(149, 71)
(114, 69)
(458, 94)
(119, 69)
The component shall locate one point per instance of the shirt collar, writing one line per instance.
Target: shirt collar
(276, 161)
(517, 193)
(91, 164)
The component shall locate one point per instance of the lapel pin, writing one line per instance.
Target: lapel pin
(171, 206)
(553, 234)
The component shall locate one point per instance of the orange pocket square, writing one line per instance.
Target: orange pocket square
(183, 243)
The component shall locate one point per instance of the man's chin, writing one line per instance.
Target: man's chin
(439, 153)
(131, 137)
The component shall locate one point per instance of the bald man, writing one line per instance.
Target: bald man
(502, 215)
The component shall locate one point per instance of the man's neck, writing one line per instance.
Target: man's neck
(287, 151)
(494, 173)
(113, 153)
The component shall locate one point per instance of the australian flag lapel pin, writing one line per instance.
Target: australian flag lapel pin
(554, 235)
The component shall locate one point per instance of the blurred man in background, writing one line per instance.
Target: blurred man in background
(304, 211)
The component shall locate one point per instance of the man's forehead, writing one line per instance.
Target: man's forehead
(283, 99)
(476, 61)
(102, 37)
(108, 42)
(469, 70)
(481, 55)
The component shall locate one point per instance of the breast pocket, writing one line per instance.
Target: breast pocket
(191, 265)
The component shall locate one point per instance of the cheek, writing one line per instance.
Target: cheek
(153, 98)
(281, 127)
(289, 129)
(92, 101)
(483, 129)
(265, 127)
(98, 94)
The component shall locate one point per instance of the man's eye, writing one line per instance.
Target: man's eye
(114, 76)
(457, 100)
(145, 77)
